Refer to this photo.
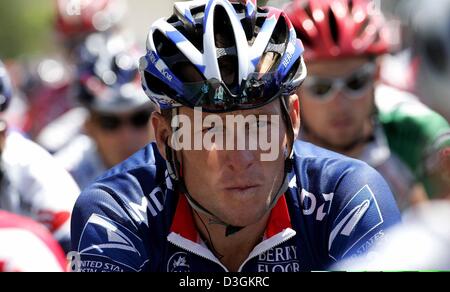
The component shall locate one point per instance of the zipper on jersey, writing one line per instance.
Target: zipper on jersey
(194, 248)
(204, 253)
(269, 244)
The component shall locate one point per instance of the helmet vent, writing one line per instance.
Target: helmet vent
(350, 6)
(363, 28)
(157, 86)
(175, 59)
(224, 38)
(309, 12)
(333, 26)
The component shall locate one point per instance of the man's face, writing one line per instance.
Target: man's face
(118, 136)
(335, 116)
(235, 185)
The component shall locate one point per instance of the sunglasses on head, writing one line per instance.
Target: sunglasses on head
(354, 85)
(110, 122)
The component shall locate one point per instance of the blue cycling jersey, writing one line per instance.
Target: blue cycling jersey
(132, 220)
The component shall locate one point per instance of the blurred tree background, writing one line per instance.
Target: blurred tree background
(25, 27)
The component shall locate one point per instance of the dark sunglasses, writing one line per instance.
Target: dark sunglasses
(214, 96)
(353, 85)
(110, 122)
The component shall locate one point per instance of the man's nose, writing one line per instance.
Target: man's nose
(128, 134)
(239, 160)
(341, 101)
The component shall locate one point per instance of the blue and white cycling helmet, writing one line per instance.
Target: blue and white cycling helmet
(213, 54)
(5, 88)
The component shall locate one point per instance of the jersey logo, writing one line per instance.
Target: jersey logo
(279, 259)
(310, 204)
(139, 212)
(104, 237)
(178, 263)
(355, 222)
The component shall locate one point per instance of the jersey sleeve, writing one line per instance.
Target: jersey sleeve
(104, 236)
(47, 191)
(363, 209)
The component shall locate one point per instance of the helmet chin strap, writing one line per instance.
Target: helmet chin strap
(174, 170)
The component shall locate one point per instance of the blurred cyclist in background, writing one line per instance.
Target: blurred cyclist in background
(26, 246)
(427, 32)
(32, 183)
(343, 107)
(75, 20)
(117, 124)
(50, 87)
(424, 64)
(430, 34)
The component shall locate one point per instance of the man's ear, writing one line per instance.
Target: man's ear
(162, 132)
(378, 64)
(89, 125)
(3, 130)
(294, 113)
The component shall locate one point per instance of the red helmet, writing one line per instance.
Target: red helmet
(339, 28)
(79, 17)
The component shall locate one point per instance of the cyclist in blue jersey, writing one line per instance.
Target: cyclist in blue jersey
(116, 109)
(213, 209)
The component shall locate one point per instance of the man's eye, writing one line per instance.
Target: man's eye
(321, 88)
(262, 123)
(207, 129)
(213, 129)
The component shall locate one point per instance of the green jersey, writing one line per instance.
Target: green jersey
(414, 132)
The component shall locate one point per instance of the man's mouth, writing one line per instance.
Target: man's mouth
(241, 188)
(343, 122)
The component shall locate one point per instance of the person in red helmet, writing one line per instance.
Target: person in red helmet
(344, 107)
(337, 29)
(77, 19)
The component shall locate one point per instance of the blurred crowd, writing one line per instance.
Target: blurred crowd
(378, 90)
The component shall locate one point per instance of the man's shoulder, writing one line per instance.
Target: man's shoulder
(344, 203)
(147, 159)
(128, 183)
(77, 152)
(309, 157)
(320, 171)
(21, 150)
(405, 109)
(37, 174)
(122, 212)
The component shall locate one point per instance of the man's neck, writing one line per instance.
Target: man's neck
(233, 250)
